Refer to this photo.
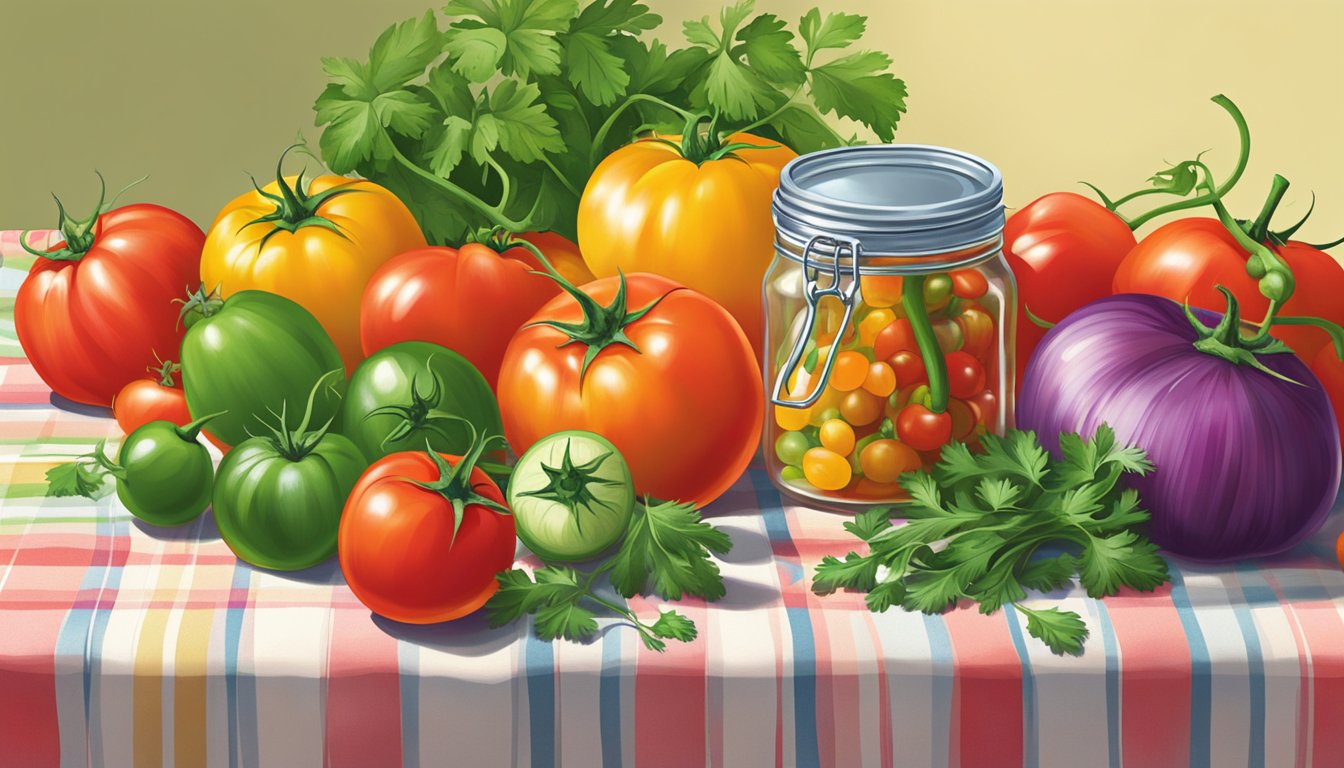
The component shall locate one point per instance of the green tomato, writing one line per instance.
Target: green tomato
(412, 392)
(571, 495)
(790, 447)
(948, 334)
(278, 509)
(253, 354)
(937, 289)
(791, 474)
(165, 475)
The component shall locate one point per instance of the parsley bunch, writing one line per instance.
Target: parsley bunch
(666, 549)
(976, 527)
(498, 120)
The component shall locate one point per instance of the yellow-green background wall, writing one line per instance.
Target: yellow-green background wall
(196, 93)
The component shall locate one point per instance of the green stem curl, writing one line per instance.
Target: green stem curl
(912, 294)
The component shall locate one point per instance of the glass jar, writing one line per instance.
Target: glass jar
(889, 318)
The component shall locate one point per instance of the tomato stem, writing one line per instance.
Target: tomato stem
(79, 234)
(912, 293)
(295, 208)
(454, 481)
(1259, 229)
(600, 138)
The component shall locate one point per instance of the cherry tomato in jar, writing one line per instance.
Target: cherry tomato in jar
(909, 368)
(849, 371)
(965, 375)
(883, 461)
(897, 337)
(880, 290)
(948, 334)
(986, 406)
(861, 408)
(964, 418)
(881, 379)
(968, 284)
(937, 292)
(790, 447)
(872, 324)
(977, 329)
(923, 429)
(826, 469)
(838, 436)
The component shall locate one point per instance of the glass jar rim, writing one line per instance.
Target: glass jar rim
(909, 263)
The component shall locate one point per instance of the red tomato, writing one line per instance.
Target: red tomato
(1185, 259)
(470, 300)
(1063, 249)
(977, 330)
(1330, 371)
(93, 320)
(968, 284)
(965, 375)
(398, 550)
(157, 398)
(909, 367)
(684, 405)
(963, 418)
(897, 337)
(922, 429)
(986, 407)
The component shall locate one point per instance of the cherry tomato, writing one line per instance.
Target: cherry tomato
(790, 447)
(909, 368)
(826, 469)
(897, 337)
(861, 408)
(937, 292)
(965, 375)
(977, 329)
(923, 429)
(948, 334)
(837, 436)
(873, 324)
(986, 406)
(793, 419)
(881, 379)
(849, 371)
(968, 284)
(155, 399)
(884, 460)
(963, 418)
(880, 290)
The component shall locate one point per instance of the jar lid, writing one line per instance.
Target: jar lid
(895, 199)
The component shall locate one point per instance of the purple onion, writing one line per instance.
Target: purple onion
(1247, 464)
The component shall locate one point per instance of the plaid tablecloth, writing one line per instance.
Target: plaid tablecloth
(121, 643)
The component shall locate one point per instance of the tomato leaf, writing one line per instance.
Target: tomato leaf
(859, 87)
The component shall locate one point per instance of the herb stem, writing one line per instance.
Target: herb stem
(563, 181)
(601, 138)
(493, 214)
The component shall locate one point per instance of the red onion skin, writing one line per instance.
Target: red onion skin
(1247, 465)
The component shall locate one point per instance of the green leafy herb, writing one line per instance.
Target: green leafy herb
(496, 119)
(666, 547)
(979, 525)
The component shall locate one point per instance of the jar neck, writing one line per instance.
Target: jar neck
(913, 263)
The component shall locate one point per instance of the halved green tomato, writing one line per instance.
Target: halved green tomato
(571, 495)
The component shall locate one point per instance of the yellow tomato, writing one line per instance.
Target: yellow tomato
(836, 435)
(706, 225)
(826, 469)
(871, 325)
(315, 244)
(883, 461)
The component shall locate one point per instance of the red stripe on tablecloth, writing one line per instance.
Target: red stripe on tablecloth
(363, 693)
(1325, 639)
(670, 695)
(986, 726)
(1155, 675)
(29, 726)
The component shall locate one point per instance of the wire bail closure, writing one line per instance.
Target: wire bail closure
(814, 293)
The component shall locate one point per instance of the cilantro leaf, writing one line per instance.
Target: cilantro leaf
(1049, 573)
(566, 619)
(854, 572)
(593, 66)
(668, 545)
(999, 494)
(803, 130)
(732, 86)
(883, 596)
(528, 29)
(869, 522)
(997, 587)
(1063, 631)
(1120, 560)
(517, 123)
(452, 141)
(837, 30)
(402, 52)
(77, 479)
(933, 591)
(769, 49)
(519, 595)
(674, 626)
(859, 87)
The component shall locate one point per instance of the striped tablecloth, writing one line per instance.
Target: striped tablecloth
(121, 644)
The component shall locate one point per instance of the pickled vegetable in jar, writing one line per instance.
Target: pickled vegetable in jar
(889, 318)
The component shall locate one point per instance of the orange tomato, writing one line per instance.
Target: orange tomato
(682, 401)
(157, 398)
(848, 371)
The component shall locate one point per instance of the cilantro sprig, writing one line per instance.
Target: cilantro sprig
(666, 551)
(990, 526)
(498, 118)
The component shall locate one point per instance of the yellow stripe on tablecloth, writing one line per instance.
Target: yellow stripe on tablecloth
(147, 691)
(189, 668)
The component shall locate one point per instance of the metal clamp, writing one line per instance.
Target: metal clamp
(813, 294)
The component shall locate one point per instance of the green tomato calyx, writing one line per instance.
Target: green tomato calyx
(1225, 340)
(454, 481)
(189, 432)
(601, 326)
(706, 146)
(200, 302)
(418, 414)
(297, 443)
(79, 234)
(571, 485)
(295, 208)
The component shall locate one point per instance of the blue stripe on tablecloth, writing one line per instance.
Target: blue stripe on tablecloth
(1254, 660)
(609, 699)
(242, 716)
(1112, 650)
(408, 670)
(1031, 749)
(806, 748)
(940, 649)
(1201, 681)
(539, 669)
